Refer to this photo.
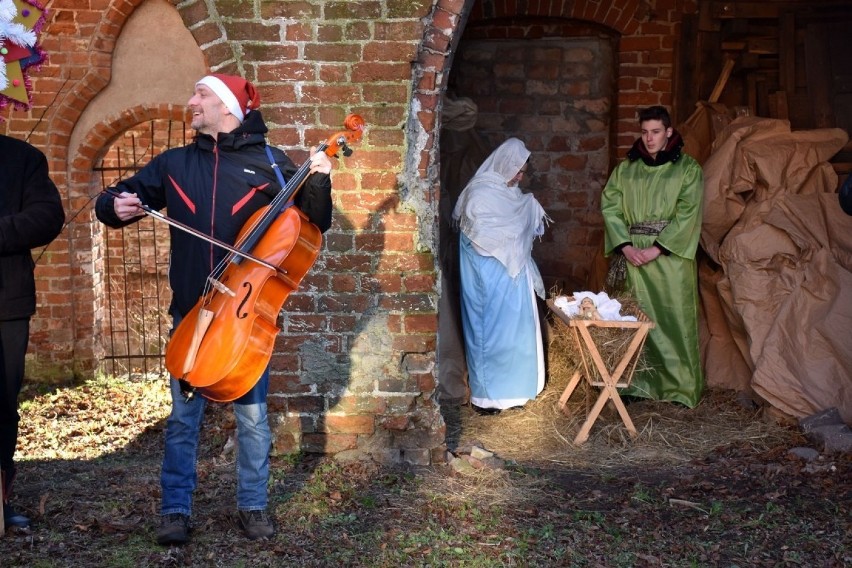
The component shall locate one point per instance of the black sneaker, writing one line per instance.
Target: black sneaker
(174, 529)
(12, 518)
(256, 524)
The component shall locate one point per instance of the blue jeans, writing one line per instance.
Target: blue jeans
(178, 476)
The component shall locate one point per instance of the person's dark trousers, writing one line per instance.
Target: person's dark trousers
(14, 336)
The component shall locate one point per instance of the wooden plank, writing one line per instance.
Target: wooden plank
(799, 109)
(749, 61)
(787, 51)
(762, 45)
(569, 390)
(782, 110)
(722, 80)
(751, 87)
(686, 83)
(762, 96)
(817, 65)
(757, 45)
(706, 21)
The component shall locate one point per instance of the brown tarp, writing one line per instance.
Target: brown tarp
(776, 286)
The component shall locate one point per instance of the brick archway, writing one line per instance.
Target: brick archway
(99, 65)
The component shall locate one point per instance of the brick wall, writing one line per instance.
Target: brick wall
(354, 368)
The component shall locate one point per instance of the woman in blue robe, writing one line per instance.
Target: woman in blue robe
(499, 281)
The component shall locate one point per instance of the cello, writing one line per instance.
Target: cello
(223, 345)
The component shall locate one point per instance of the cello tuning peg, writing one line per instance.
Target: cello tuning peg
(347, 151)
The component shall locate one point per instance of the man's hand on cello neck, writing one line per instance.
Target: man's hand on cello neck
(320, 163)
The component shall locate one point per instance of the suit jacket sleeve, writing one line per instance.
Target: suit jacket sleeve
(40, 217)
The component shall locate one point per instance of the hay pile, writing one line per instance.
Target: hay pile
(668, 433)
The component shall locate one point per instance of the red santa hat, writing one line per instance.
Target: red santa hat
(239, 95)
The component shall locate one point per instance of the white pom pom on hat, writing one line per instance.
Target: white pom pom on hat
(239, 95)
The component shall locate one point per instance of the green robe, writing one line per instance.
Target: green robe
(666, 288)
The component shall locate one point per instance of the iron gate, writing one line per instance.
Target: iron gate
(136, 260)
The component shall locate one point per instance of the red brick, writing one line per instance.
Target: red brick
(397, 30)
(367, 72)
(426, 382)
(386, 283)
(399, 423)
(419, 283)
(349, 424)
(421, 323)
(329, 443)
(291, 9)
(389, 51)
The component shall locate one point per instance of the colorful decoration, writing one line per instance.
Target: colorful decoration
(20, 23)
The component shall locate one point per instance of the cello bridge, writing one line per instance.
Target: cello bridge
(221, 287)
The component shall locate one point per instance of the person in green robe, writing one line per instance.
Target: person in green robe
(651, 207)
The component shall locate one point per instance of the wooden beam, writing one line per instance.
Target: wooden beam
(686, 79)
(782, 105)
(787, 51)
(731, 10)
(706, 21)
(734, 45)
(817, 64)
(723, 78)
(762, 45)
(751, 81)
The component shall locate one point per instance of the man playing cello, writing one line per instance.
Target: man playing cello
(214, 185)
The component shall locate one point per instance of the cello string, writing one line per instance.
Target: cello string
(272, 211)
(287, 192)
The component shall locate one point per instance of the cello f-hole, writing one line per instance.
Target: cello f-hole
(242, 314)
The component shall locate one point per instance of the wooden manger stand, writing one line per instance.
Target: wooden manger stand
(608, 380)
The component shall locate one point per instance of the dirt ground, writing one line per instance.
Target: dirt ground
(713, 486)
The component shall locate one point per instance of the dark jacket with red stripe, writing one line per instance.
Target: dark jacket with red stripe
(214, 186)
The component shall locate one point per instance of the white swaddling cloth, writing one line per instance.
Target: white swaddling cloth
(608, 308)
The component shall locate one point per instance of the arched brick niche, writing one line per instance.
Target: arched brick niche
(647, 32)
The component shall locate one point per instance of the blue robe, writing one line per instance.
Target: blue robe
(502, 334)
